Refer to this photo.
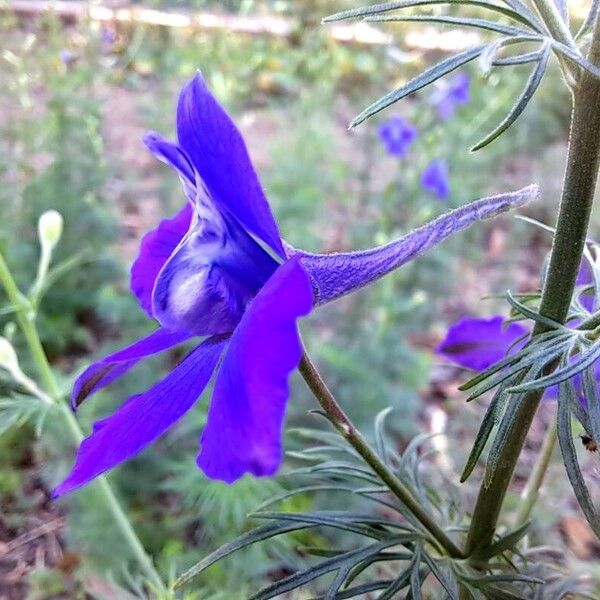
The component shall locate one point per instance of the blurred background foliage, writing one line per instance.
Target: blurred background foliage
(75, 99)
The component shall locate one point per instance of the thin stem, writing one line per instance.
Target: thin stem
(346, 428)
(25, 318)
(575, 207)
(531, 491)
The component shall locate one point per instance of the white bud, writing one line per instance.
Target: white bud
(8, 357)
(50, 227)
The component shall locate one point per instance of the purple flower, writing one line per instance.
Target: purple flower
(397, 135)
(219, 270)
(434, 179)
(479, 343)
(451, 93)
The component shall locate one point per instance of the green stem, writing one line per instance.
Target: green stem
(532, 488)
(575, 207)
(348, 431)
(25, 318)
(553, 20)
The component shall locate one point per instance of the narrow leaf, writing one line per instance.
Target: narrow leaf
(506, 542)
(569, 453)
(490, 419)
(531, 87)
(438, 573)
(562, 374)
(525, 17)
(449, 20)
(420, 81)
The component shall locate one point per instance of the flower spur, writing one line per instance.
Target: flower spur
(219, 270)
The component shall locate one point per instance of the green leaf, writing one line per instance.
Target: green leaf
(515, 112)
(359, 590)
(445, 581)
(590, 392)
(415, 575)
(490, 419)
(420, 81)
(576, 57)
(562, 374)
(342, 562)
(380, 433)
(506, 542)
(569, 453)
(538, 344)
(450, 20)
(590, 20)
(525, 16)
(252, 537)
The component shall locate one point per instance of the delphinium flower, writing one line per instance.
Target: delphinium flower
(478, 343)
(435, 179)
(397, 134)
(218, 272)
(451, 93)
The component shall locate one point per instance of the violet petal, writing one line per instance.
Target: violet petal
(105, 371)
(479, 343)
(245, 419)
(143, 418)
(155, 249)
(218, 152)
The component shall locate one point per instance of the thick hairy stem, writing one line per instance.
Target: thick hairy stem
(345, 427)
(25, 318)
(567, 249)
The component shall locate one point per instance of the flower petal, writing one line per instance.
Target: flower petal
(218, 153)
(156, 248)
(243, 430)
(105, 371)
(143, 418)
(335, 275)
(479, 343)
(172, 155)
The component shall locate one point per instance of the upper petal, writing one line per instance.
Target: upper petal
(156, 248)
(479, 343)
(335, 275)
(243, 430)
(218, 153)
(143, 418)
(105, 371)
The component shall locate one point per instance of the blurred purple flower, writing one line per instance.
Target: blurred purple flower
(435, 179)
(450, 93)
(107, 35)
(397, 135)
(220, 270)
(67, 57)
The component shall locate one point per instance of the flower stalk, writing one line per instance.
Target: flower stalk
(348, 431)
(26, 320)
(531, 491)
(579, 185)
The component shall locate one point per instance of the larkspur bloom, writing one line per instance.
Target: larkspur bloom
(219, 270)
(435, 179)
(477, 344)
(397, 135)
(451, 93)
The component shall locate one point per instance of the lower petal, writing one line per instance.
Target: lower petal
(143, 418)
(243, 429)
(105, 371)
